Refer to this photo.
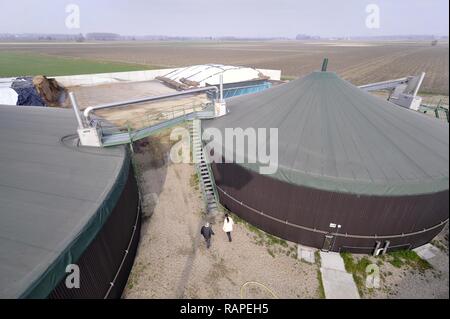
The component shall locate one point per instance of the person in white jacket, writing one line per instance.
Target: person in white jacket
(228, 226)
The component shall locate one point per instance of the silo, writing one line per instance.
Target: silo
(65, 210)
(355, 172)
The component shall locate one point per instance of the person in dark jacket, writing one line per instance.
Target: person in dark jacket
(207, 232)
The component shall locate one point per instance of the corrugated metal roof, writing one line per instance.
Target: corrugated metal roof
(210, 73)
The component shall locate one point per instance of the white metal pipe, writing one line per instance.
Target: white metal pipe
(221, 88)
(76, 110)
(419, 84)
(90, 109)
(390, 84)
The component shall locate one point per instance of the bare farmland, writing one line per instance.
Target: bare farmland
(359, 63)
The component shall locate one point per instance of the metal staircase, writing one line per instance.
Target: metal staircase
(204, 172)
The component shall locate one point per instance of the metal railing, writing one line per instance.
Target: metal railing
(153, 123)
(87, 112)
(436, 109)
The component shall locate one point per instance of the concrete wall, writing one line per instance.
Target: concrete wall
(134, 76)
(273, 74)
(105, 78)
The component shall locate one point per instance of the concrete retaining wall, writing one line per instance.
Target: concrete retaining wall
(273, 74)
(105, 78)
(134, 76)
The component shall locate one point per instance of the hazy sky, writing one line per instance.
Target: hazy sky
(255, 18)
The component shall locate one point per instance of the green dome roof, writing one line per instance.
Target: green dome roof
(336, 137)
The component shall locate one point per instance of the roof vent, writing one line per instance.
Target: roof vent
(325, 65)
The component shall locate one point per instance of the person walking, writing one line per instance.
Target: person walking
(228, 226)
(207, 233)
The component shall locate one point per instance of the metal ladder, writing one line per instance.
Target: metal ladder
(204, 172)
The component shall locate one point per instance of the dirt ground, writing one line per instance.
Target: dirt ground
(173, 262)
(411, 282)
(359, 62)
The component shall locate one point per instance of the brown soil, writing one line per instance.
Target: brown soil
(361, 63)
(50, 90)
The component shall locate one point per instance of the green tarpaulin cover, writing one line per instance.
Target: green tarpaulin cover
(333, 136)
(54, 198)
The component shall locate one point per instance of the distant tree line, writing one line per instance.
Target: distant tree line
(106, 36)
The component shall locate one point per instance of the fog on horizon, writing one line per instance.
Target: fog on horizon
(238, 18)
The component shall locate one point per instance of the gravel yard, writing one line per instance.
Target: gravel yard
(404, 275)
(358, 62)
